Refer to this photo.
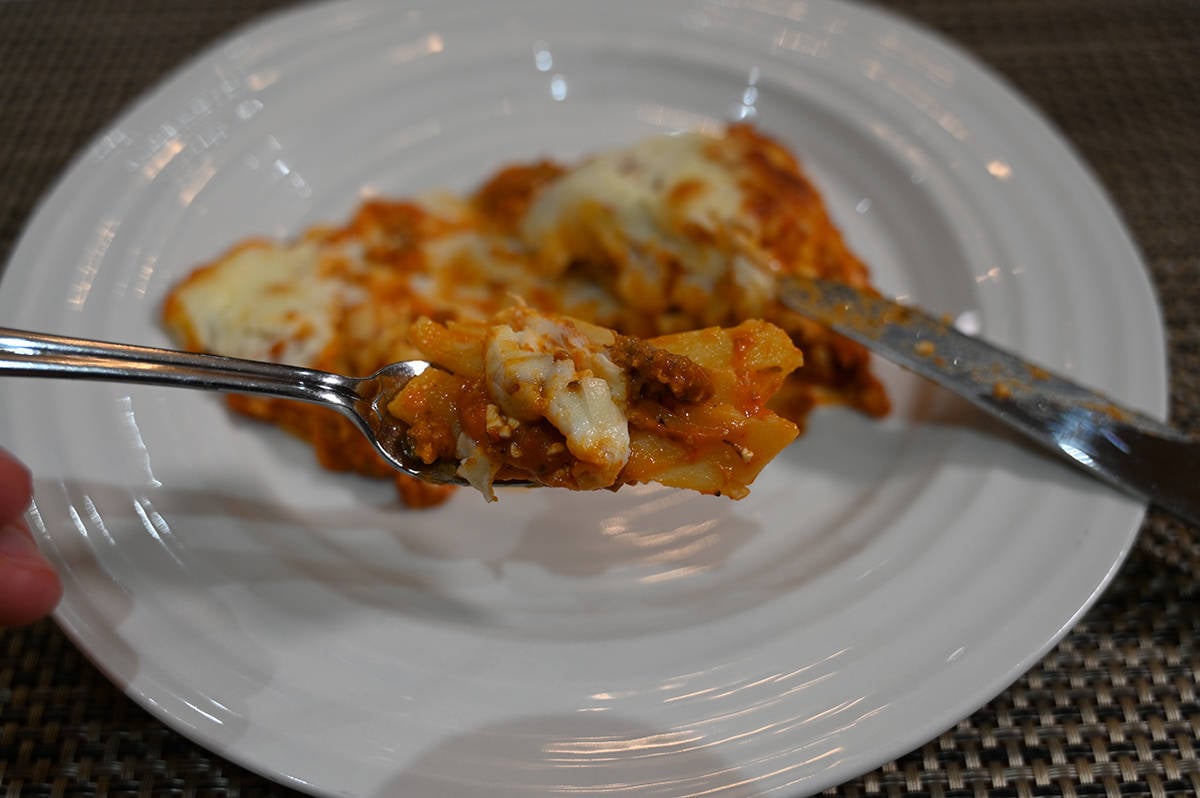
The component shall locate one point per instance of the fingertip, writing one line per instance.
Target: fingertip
(29, 587)
(28, 593)
(16, 486)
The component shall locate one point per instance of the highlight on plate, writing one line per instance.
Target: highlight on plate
(591, 325)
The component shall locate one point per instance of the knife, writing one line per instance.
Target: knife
(1116, 444)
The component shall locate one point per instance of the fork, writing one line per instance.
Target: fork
(363, 400)
(1120, 446)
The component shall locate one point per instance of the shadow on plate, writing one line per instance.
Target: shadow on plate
(175, 653)
(586, 754)
(554, 565)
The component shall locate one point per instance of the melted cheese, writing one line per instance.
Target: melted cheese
(657, 184)
(555, 370)
(264, 303)
(654, 210)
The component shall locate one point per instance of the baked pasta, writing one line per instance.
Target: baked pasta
(556, 401)
(670, 235)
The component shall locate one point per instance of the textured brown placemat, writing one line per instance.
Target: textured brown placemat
(1112, 710)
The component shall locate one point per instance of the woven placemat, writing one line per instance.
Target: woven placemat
(1112, 710)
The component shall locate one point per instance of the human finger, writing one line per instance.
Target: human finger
(16, 487)
(29, 587)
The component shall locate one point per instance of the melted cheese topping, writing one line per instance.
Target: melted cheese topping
(553, 369)
(265, 303)
(657, 206)
(657, 184)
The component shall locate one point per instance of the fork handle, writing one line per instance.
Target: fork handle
(31, 354)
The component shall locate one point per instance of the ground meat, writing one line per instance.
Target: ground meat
(653, 369)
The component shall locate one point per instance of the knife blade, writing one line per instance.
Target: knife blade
(1119, 445)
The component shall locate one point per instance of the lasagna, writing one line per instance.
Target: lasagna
(666, 246)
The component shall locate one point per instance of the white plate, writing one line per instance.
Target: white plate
(882, 581)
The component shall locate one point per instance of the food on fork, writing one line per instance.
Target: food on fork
(669, 235)
(561, 402)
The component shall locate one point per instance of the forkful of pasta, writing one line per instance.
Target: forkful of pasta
(525, 398)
